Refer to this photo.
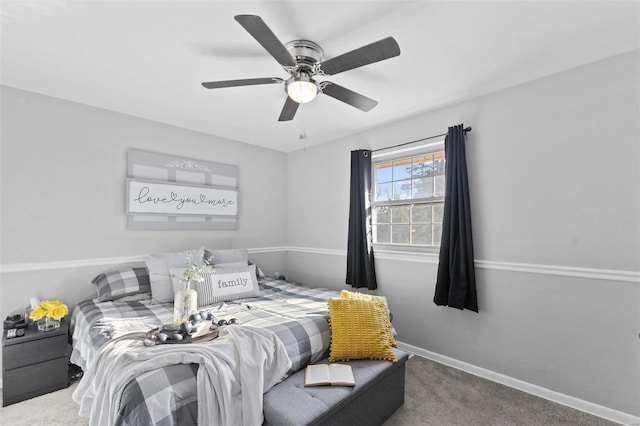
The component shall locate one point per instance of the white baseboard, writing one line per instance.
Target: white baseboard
(557, 397)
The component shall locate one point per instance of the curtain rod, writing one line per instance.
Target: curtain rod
(466, 130)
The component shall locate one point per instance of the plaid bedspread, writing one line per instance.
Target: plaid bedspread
(297, 314)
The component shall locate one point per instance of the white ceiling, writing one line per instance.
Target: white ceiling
(148, 58)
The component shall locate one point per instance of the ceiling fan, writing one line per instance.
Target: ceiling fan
(303, 60)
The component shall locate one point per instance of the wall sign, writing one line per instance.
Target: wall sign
(172, 199)
(166, 192)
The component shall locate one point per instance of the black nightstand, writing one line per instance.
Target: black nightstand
(34, 364)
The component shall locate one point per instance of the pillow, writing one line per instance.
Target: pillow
(228, 283)
(259, 273)
(227, 256)
(359, 330)
(232, 266)
(160, 265)
(177, 278)
(122, 282)
(231, 256)
(346, 294)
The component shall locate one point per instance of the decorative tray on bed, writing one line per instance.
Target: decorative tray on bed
(171, 334)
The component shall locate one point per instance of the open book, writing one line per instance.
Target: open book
(329, 375)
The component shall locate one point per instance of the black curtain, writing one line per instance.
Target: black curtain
(360, 263)
(456, 284)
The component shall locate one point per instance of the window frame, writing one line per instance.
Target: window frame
(393, 154)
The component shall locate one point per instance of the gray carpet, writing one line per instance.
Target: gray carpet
(435, 395)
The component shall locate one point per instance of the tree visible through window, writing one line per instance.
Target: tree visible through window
(408, 200)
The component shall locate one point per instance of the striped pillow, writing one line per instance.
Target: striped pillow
(122, 282)
(225, 284)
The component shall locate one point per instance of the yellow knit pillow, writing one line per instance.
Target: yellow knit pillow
(346, 294)
(358, 330)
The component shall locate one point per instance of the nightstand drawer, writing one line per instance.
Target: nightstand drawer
(35, 351)
(34, 380)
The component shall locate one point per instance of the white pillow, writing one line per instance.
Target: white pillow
(225, 284)
(160, 266)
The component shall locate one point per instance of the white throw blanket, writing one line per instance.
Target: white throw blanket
(236, 369)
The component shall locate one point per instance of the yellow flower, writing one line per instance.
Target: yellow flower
(51, 309)
(37, 313)
(48, 305)
(59, 311)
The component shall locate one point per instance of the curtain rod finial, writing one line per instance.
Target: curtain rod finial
(467, 129)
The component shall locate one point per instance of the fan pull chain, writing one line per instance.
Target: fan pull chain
(303, 133)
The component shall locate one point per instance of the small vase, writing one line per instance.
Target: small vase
(185, 303)
(48, 324)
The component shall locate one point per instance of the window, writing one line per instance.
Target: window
(408, 200)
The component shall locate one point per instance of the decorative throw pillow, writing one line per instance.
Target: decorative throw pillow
(228, 256)
(160, 266)
(359, 330)
(232, 256)
(232, 266)
(225, 284)
(122, 282)
(177, 279)
(346, 294)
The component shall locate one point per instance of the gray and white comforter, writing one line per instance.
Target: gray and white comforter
(297, 315)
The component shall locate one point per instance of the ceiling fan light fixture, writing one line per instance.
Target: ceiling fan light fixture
(302, 89)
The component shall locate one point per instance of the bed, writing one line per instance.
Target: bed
(296, 317)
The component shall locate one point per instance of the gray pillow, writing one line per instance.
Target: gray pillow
(122, 282)
(160, 266)
(229, 256)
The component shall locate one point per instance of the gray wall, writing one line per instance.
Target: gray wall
(63, 171)
(554, 166)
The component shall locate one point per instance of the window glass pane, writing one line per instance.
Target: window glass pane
(421, 213)
(402, 169)
(437, 233)
(438, 212)
(381, 214)
(422, 187)
(438, 163)
(422, 166)
(440, 182)
(400, 214)
(402, 182)
(383, 172)
(382, 234)
(400, 234)
(421, 235)
(383, 191)
(402, 190)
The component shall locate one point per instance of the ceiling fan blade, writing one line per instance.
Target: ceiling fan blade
(365, 55)
(289, 110)
(244, 82)
(263, 35)
(348, 96)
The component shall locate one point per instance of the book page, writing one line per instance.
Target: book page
(317, 375)
(341, 374)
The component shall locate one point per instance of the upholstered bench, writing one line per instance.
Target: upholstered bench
(379, 391)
